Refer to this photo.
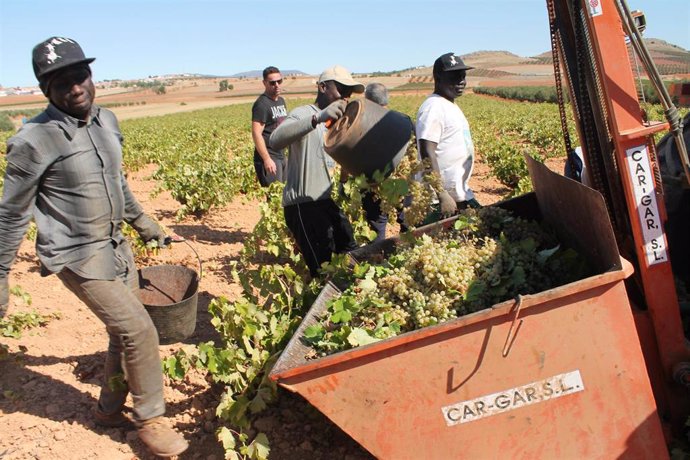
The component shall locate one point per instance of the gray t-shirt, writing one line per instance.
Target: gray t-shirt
(308, 178)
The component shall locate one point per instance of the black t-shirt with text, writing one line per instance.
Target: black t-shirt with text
(271, 113)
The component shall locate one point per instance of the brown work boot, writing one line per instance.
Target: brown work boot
(160, 438)
(114, 420)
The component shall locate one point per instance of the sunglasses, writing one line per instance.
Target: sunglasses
(275, 82)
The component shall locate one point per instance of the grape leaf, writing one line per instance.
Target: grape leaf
(341, 316)
(359, 337)
(368, 285)
(315, 331)
(226, 438)
(474, 290)
(258, 449)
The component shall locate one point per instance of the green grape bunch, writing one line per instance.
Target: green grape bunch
(488, 257)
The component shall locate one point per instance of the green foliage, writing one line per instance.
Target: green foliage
(141, 249)
(14, 324)
(270, 236)
(349, 197)
(6, 123)
(19, 291)
(110, 105)
(3, 158)
(427, 86)
(223, 85)
(236, 447)
(159, 89)
(254, 329)
(204, 181)
(32, 232)
(204, 158)
(490, 256)
(521, 93)
(28, 113)
(140, 84)
(650, 94)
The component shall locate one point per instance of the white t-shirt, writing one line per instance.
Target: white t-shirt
(442, 122)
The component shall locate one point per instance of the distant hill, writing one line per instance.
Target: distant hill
(491, 59)
(259, 73)
(669, 58)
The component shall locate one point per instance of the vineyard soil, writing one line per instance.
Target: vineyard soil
(50, 381)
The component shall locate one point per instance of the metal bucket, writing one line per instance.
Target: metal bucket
(368, 138)
(169, 294)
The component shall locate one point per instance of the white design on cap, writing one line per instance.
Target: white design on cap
(452, 60)
(51, 55)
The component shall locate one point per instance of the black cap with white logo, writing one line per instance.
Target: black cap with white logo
(57, 53)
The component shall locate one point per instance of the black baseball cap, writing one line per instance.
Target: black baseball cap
(450, 62)
(56, 53)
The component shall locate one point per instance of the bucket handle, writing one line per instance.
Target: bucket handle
(509, 341)
(181, 239)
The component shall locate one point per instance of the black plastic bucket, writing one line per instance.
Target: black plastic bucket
(369, 138)
(169, 294)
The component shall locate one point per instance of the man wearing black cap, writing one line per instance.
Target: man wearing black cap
(315, 220)
(443, 134)
(64, 167)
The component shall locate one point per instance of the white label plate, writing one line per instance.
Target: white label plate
(640, 170)
(513, 398)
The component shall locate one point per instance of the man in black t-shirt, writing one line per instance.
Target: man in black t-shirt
(268, 112)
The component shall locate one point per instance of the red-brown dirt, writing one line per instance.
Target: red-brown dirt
(50, 381)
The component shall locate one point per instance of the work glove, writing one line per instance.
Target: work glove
(149, 230)
(333, 112)
(4, 296)
(448, 204)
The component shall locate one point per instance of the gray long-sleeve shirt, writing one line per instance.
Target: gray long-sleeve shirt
(308, 178)
(69, 174)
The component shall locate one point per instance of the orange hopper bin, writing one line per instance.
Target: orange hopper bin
(558, 374)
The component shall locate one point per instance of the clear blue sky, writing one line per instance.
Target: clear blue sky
(135, 39)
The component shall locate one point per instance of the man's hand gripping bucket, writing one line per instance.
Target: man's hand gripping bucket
(169, 294)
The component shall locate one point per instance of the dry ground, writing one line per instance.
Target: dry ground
(50, 381)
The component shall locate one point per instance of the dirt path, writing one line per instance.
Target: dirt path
(50, 381)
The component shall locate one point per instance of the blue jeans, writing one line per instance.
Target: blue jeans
(133, 348)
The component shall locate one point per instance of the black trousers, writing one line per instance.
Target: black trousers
(321, 229)
(264, 177)
(375, 218)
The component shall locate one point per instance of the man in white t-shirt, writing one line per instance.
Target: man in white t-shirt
(443, 135)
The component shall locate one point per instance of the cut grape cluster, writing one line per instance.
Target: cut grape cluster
(488, 257)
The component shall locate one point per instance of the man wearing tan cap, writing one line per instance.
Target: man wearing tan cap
(315, 220)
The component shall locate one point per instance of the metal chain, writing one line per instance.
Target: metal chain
(559, 82)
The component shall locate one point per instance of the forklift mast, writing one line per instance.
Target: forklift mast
(592, 58)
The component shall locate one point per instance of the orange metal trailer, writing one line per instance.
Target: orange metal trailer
(559, 374)
(599, 368)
